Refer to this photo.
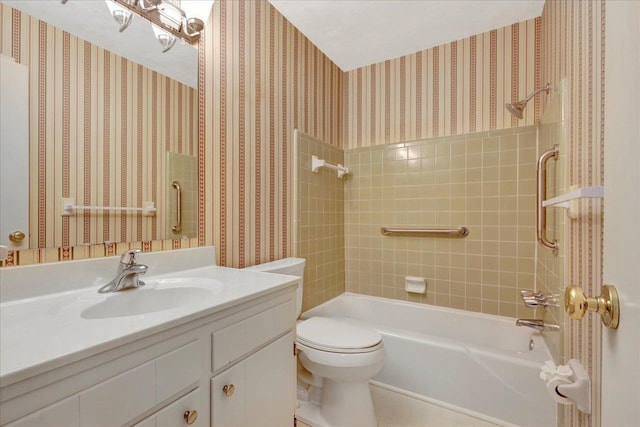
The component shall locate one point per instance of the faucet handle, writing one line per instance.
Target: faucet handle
(130, 257)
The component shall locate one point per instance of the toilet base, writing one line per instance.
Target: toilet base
(347, 404)
(343, 405)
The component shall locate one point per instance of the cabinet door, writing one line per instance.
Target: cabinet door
(173, 415)
(263, 389)
(270, 383)
(228, 404)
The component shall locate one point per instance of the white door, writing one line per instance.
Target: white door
(621, 347)
(14, 151)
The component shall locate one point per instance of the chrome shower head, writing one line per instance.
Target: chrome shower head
(517, 108)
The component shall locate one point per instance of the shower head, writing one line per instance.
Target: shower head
(517, 108)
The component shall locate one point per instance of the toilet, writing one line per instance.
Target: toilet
(339, 359)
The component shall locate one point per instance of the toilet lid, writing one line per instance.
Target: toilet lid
(336, 334)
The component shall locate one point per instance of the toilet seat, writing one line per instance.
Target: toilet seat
(337, 336)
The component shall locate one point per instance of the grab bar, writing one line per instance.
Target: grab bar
(541, 195)
(455, 232)
(178, 227)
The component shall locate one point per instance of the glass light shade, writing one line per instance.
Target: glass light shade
(120, 14)
(165, 39)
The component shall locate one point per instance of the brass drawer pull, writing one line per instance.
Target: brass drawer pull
(228, 390)
(191, 416)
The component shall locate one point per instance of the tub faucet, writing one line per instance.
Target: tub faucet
(127, 275)
(538, 325)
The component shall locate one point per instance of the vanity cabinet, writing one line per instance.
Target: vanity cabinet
(175, 377)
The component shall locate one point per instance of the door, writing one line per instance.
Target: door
(621, 347)
(14, 152)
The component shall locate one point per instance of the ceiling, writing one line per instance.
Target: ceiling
(91, 21)
(356, 33)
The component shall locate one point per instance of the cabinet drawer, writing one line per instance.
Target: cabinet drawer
(230, 343)
(120, 399)
(173, 415)
(61, 414)
(178, 369)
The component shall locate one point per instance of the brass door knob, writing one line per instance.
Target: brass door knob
(228, 390)
(17, 236)
(607, 304)
(191, 416)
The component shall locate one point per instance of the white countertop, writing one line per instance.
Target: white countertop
(44, 332)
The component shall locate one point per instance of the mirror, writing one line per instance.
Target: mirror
(112, 121)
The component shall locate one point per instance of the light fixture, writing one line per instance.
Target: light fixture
(192, 26)
(170, 20)
(166, 39)
(149, 5)
(120, 14)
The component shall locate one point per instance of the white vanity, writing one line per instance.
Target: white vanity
(197, 345)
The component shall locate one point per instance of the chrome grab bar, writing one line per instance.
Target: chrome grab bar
(541, 195)
(178, 227)
(456, 232)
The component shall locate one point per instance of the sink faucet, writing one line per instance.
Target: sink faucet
(127, 275)
(538, 325)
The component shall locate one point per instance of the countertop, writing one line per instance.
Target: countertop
(44, 332)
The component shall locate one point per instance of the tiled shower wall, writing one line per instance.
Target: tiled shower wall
(485, 181)
(319, 220)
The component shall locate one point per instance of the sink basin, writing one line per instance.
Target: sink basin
(138, 301)
(156, 295)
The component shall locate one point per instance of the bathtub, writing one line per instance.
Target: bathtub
(473, 363)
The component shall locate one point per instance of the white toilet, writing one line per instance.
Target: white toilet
(342, 357)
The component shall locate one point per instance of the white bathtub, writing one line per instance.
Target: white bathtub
(474, 363)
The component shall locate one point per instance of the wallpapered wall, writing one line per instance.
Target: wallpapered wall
(100, 126)
(261, 80)
(573, 48)
(457, 88)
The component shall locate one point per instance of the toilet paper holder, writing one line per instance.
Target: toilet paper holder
(577, 388)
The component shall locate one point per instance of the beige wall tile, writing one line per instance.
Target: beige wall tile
(321, 228)
(470, 180)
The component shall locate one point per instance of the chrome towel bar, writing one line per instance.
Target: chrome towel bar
(541, 195)
(454, 232)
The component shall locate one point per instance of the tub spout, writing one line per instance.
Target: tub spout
(538, 325)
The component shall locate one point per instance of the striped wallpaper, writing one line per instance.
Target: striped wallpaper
(457, 88)
(573, 48)
(100, 126)
(261, 79)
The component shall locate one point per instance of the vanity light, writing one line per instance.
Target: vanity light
(166, 40)
(149, 5)
(170, 20)
(120, 14)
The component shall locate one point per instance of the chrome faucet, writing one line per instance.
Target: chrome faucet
(538, 325)
(127, 275)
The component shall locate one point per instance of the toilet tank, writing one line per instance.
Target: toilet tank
(288, 266)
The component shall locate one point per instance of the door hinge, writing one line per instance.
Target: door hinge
(294, 348)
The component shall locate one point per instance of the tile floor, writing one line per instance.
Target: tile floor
(397, 410)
